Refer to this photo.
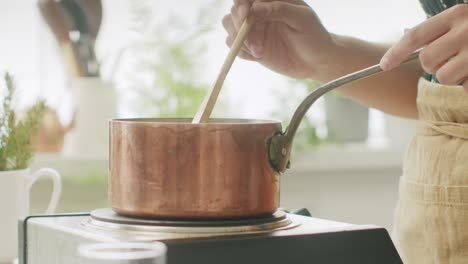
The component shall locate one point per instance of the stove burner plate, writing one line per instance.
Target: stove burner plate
(108, 215)
(106, 218)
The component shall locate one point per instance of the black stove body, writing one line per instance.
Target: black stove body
(53, 239)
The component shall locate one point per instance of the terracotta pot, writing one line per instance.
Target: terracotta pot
(51, 133)
(171, 168)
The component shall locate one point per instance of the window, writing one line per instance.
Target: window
(29, 51)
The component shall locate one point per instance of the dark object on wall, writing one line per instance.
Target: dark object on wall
(433, 7)
(75, 24)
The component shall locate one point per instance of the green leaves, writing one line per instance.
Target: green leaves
(287, 99)
(168, 52)
(16, 150)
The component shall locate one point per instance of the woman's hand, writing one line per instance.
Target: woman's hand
(445, 41)
(287, 36)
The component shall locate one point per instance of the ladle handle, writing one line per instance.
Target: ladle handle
(280, 144)
(205, 109)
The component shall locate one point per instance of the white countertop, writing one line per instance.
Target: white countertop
(329, 158)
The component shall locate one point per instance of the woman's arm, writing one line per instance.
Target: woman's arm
(289, 39)
(393, 92)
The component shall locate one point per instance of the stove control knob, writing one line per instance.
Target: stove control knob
(302, 211)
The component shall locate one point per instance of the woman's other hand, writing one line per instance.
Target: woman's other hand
(287, 36)
(445, 41)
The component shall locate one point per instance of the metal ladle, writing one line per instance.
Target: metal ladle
(281, 143)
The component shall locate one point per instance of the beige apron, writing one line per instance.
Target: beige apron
(431, 217)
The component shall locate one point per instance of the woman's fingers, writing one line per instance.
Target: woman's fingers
(230, 28)
(446, 46)
(244, 53)
(254, 39)
(243, 7)
(452, 19)
(294, 2)
(291, 14)
(437, 53)
(455, 71)
(465, 85)
(246, 56)
(238, 17)
(414, 39)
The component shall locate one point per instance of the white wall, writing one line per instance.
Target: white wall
(358, 197)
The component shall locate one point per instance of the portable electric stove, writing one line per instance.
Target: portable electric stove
(278, 238)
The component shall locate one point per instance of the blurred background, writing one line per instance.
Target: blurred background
(158, 58)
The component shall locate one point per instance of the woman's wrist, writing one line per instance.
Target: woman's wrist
(325, 63)
(346, 55)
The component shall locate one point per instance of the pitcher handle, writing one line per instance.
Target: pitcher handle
(57, 186)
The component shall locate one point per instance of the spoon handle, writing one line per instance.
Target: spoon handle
(205, 109)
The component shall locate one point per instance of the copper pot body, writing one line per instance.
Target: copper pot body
(170, 168)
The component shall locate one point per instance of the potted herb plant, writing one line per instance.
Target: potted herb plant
(16, 179)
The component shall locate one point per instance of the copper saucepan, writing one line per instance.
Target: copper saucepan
(226, 168)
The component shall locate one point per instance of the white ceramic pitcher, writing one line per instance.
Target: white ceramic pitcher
(15, 188)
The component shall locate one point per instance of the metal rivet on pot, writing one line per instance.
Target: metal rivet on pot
(284, 151)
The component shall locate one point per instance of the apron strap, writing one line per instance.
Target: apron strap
(439, 194)
(446, 128)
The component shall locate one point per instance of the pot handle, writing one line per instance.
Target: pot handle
(280, 144)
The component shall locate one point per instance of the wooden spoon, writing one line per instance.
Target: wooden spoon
(81, 21)
(205, 109)
(93, 12)
(54, 15)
